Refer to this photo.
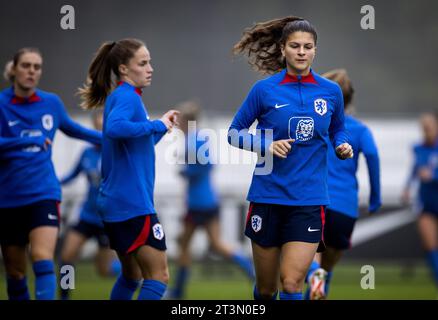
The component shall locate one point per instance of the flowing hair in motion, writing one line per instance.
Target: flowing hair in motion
(262, 43)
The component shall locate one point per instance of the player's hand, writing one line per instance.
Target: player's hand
(172, 115)
(344, 151)
(281, 148)
(425, 174)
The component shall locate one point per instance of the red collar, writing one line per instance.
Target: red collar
(20, 100)
(304, 79)
(137, 90)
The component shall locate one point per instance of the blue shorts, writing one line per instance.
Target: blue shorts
(201, 217)
(89, 230)
(338, 229)
(16, 223)
(127, 236)
(271, 225)
(430, 206)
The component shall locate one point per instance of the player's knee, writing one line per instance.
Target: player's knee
(267, 292)
(291, 285)
(37, 254)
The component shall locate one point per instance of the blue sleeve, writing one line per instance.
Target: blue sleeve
(158, 136)
(337, 132)
(369, 149)
(119, 124)
(75, 172)
(238, 135)
(75, 130)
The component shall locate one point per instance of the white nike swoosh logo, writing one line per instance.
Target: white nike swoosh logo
(281, 105)
(52, 217)
(312, 230)
(13, 123)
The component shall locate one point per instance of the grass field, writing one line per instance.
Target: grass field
(218, 280)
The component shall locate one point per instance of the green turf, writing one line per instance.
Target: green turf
(217, 280)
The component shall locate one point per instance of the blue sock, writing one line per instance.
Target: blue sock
(244, 263)
(257, 295)
(291, 296)
(152, 290)
(327, 282)
(116, 267)
(64, 294)
(313, 266)
(432, 258)
(45, 280)
(124, 288)
(180, 283)
(17, 289)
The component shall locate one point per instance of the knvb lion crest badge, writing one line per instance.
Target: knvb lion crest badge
(320, 106)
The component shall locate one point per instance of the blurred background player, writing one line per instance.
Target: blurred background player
(425, 171)
(343, 211)
(90, 224)
(202, 204)
(304, 112)
(30, 192)
(125, 199)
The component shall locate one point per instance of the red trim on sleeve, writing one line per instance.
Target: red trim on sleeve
(143, 236)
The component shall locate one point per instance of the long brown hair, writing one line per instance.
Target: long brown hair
(106, 63)
(7, 73)
(340, 76)
(262, 43)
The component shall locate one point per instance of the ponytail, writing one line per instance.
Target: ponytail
(106, 63)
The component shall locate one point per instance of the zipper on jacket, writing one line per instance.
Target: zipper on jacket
(299, 90)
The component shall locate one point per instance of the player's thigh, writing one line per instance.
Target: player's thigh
(428, 229)
(186, 235)
(43, 242)
(296, 258)
(266, 264)
(153, 263)
(130, 267)
(72, 245)
(14, 258)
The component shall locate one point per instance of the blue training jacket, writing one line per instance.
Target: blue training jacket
(342, 181)
(200, 192)
(27, 174)
(309, 109)
(128, 156)
(89, 163)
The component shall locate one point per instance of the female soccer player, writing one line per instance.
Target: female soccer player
(125, 199)
(425, 170)
(298, 113)
(90, 223)
(202, 204)
(343, 210)
(29, 189)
